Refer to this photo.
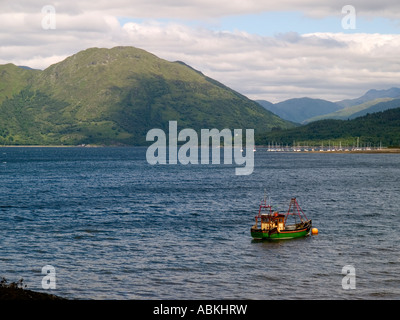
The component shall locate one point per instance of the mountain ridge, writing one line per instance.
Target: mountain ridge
(114, 97)
(299, 110)
(355, 111)
(306, 110)
(370, 95)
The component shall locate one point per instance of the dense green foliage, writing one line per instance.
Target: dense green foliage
(115, 96)
(20, 122)
(13, 79)
(372, 129)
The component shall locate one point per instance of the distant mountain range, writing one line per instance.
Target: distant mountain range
(305, 110)
(300, 109)
(360, 110)
(114, 97)
(370, 95)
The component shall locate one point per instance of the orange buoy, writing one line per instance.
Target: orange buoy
(314, 231)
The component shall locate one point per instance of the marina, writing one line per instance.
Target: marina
(275, 147)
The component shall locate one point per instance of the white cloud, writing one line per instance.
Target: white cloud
(331, 66)
(202, 9)
(322, 65)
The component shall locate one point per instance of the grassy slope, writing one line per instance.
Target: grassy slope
(13, 79)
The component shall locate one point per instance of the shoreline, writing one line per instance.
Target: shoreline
(360, 152)
(22, 294)
(382, 151)
(52, 146)
(301, 150)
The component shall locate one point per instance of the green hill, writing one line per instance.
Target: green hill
(114, 97)
(375, 128)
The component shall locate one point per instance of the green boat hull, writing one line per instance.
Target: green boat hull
(285, 234)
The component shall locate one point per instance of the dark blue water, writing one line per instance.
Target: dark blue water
(115, 227)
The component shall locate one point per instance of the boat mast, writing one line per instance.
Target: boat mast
(295, 210)
(264, 205)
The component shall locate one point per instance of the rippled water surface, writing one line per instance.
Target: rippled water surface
(115, 227)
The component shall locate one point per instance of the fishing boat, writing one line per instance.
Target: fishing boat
(274, 225)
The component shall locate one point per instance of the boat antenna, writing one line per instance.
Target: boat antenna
(265, 198)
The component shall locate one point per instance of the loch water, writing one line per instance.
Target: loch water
(115, 227)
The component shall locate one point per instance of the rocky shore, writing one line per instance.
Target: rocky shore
(18, 291)
(24, 294)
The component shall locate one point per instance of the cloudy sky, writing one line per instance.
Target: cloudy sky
(271, 50)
